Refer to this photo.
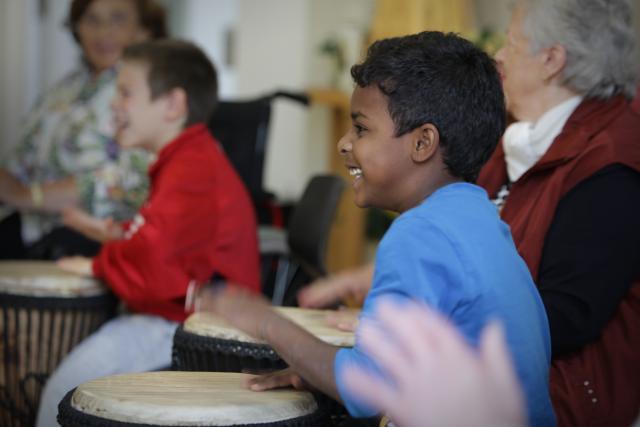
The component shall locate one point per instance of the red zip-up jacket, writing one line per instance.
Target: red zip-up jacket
(198, 220)
(596, 135)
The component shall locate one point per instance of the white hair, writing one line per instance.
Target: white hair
(599, 38)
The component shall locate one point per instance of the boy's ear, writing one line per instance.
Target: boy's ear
(177, 107)
(425, 142)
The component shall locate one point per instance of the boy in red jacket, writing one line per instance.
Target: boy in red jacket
(198, 220)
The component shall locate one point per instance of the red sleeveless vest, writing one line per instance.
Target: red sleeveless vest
(600, 384)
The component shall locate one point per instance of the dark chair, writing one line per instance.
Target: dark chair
(242, 127)
(301, 250)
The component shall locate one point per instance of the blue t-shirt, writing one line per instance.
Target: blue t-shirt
(453, 253)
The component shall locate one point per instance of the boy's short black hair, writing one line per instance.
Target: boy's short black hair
(443, 79)
(179, 64)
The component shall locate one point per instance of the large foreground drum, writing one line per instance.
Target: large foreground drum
(44, 313)
(207, 343)
(185, 399)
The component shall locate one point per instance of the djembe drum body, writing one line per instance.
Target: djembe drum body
(45, 312)
(185, 399)
(207, 343)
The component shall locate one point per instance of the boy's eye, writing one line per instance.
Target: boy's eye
(358, 128)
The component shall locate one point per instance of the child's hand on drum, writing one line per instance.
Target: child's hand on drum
(98, 229)
(243, 310)
(77, 264)
(351, 285)
(279, 379)
(435, 375)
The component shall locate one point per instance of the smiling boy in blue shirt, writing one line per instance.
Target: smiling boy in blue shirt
(427, 112)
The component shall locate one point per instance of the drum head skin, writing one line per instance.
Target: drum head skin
(189, 399)
(45, 279)
(207, 324)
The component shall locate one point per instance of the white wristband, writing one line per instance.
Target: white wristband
(37, 197)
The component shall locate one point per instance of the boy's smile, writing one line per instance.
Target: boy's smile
(138, 118)
(379, 161)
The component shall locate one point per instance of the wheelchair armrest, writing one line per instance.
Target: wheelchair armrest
(272, 241)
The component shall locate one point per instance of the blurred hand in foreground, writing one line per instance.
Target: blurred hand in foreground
(437, 379)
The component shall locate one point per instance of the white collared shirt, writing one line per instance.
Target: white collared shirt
(525, 143)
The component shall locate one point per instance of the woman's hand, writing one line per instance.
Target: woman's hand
(101, 230)
(12, 191)
(50, 196)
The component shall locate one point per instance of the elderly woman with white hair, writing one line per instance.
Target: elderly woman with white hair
(567, 180)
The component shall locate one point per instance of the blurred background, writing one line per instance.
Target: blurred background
(258, 46)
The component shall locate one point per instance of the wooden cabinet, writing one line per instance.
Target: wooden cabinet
(347, 241)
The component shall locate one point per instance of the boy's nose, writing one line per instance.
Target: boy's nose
(344, 144)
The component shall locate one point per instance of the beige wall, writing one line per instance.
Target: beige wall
(277, 46)
(19, 78)
(36, 50)
(493, 14)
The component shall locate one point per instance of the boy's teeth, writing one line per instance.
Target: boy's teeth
(355, 171)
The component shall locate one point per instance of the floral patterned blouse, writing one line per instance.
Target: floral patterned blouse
(70, 133)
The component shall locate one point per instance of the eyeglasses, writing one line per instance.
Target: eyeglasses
(115, 21)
